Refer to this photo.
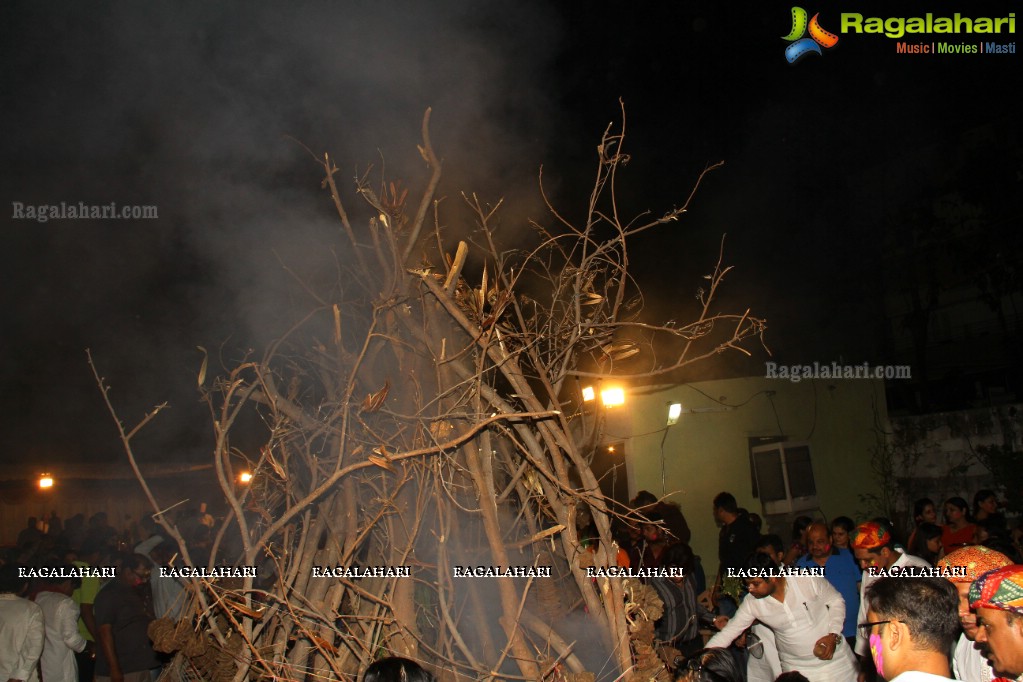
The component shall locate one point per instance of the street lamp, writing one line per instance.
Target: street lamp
(609, 397)
(613, 397)
(674, 412)
(45, 482)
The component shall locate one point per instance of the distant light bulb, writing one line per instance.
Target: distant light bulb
(245, 477)
(589, 394)
(45, 482)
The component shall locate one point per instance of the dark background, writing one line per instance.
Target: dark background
(833, 171)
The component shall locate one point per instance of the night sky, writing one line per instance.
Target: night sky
(206, 110)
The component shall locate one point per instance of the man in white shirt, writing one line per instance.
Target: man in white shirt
(63, 640)
(21, 629)
(910, 625)
(965, 565)
(875, 552)
(763, 664)
(806, 615)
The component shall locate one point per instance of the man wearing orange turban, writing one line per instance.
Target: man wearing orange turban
(874, 548)
(963, 566)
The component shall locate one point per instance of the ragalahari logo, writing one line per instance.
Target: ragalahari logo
(802, 46)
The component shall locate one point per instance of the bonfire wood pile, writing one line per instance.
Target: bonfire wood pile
(426, 414)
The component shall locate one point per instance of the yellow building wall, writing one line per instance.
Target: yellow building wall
(707, 451)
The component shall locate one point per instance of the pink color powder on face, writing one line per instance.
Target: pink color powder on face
(875, 652)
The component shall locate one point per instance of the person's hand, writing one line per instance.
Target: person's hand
(824, 649)
(720, 621)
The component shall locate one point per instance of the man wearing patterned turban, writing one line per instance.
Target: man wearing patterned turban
(963, 566)
(997, 596)
(874, 548)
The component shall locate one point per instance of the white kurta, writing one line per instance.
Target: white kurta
(916, 676)
(862, 646)
(969, 664)
(767, 667)
(811, 610)
(60, 616)
(21, 638)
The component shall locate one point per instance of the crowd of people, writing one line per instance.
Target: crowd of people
(91, 627)
(842, 601)
(48, 537)
(835, 602)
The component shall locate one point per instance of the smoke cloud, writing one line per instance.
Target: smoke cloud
(205, 110)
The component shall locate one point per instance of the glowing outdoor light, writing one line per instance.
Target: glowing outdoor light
(612, 397)
(45, 482)
(674, 412)
(589, 394)
(245, 477)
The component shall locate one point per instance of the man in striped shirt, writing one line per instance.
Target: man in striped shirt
(679, 626)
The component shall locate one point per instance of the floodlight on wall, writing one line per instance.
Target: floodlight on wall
(674, 412)
(45, 482)
(589, 394)
(613, 397)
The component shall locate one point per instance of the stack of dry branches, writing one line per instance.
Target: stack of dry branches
(426, 417)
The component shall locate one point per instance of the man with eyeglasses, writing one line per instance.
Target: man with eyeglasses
(910, 626)
(874, 548)
(806, 615)
(997, 597)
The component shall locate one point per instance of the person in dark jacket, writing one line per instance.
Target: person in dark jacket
(738, 539)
